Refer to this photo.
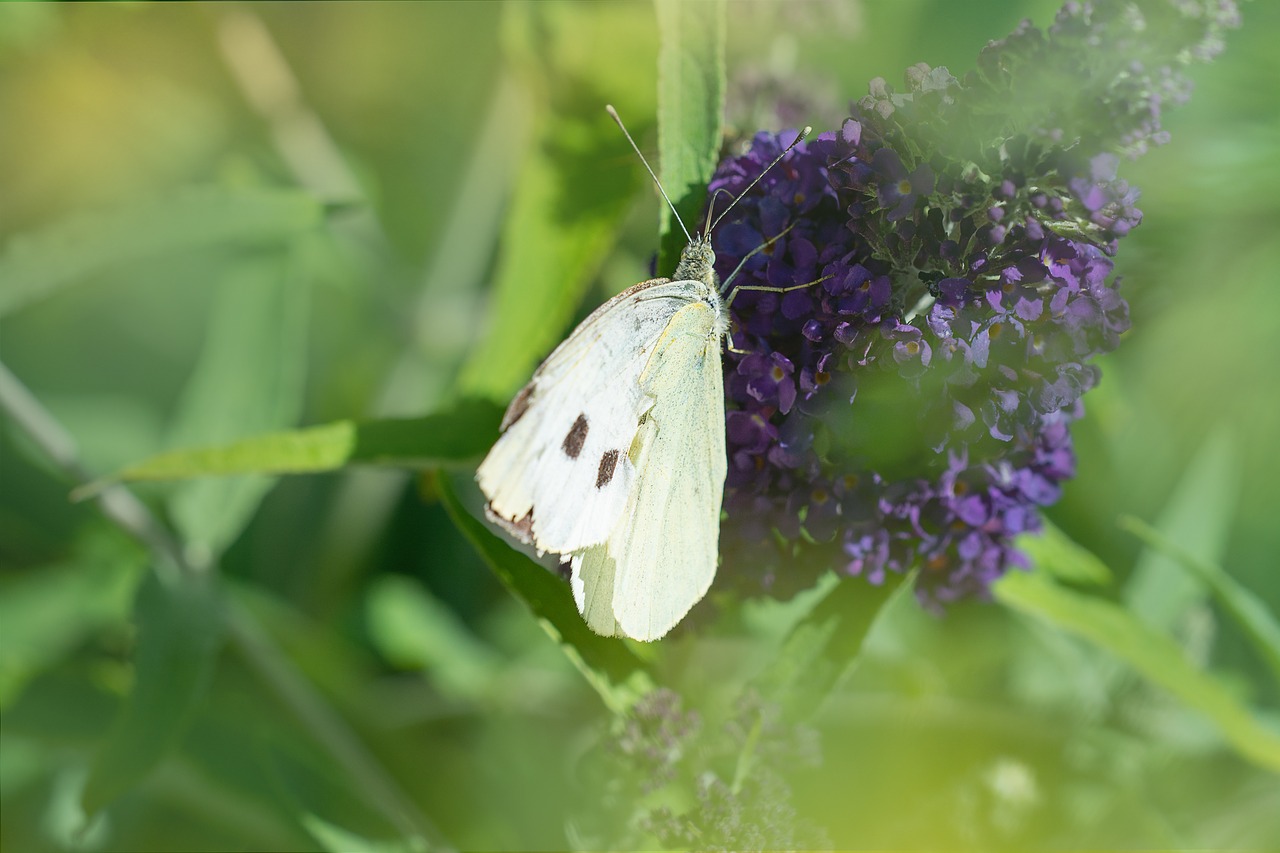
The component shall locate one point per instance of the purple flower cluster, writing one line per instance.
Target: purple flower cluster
(911, 406)
(666, 747)
(656, 736)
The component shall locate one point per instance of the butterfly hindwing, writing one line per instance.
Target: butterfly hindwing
(591, 578)
(561, 473)
(661, 558)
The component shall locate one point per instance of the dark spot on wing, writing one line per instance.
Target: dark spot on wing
(518, 406)
(576, 438)
(521, 530)
(608, 463)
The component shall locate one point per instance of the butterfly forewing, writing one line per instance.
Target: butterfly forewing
(561, 473)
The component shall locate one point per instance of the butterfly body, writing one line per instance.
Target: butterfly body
(613, 456)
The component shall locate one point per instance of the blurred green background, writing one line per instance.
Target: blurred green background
(218, 220)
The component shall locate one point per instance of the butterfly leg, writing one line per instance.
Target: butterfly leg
(724, 287)
(768, 289)
(729, 300)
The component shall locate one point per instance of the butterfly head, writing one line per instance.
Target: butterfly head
(698, 260)
(698, 263)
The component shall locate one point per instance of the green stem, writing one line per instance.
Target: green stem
(117, 503)
(1249, 612)
(745, 757)
(329, 728)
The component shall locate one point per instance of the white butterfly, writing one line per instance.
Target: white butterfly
(613, 455)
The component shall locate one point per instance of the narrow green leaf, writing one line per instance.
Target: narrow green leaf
(457, 435)
(576, 182)
(179, 633)
(1246, 609)
(826, 643)
(611, 668)
(565, 214)
(1112, 628)
(411, 628)
(38, 264)
(249, 379)
(1060, 555)
(460, 434)
(303, 451)
(1197, 518)
(691, 92)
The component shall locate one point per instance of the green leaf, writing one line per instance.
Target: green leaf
(335, 839)
(411, 628)
(1112, 628)
(45, 612)
(1248, 611)
(1198, 519)
(179, 633)
(826, 643)
(1057, 553)
(38, 264)
(611, 668)
(457, 435)
(250, 378)
(691, 92)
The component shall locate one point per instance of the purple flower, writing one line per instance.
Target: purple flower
(897, 190)
(769, 379)
(911, 406)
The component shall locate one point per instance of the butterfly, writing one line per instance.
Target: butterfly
(613, 455)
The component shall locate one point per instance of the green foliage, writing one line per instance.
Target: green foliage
(553, 246)
(569, 196)
(691, 96)
(250, 378)
(1196, 518)
(335, 839)
(824, 645)
(412, 629)
(608, 664)
(1158, 596)
(45, 616)
(36, 265)
(1155, 656)
(1241, 605)
(179, 632)
(1057, 553)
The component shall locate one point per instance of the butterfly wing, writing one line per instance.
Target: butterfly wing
(661, 558)
(560, 475)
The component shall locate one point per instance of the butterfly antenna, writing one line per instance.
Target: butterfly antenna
(742, 195)
(614, 113)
